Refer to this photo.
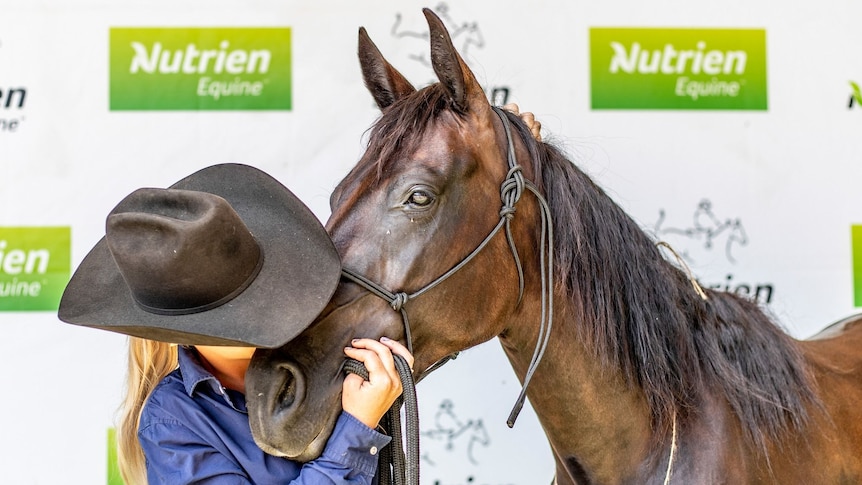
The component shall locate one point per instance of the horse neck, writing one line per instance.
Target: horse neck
(596, 424)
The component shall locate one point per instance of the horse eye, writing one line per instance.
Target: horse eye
(420, 198)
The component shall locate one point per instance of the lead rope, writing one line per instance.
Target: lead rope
(702, 294)
(691, 278)
(546, 262)
(397, 466)
(672, 454)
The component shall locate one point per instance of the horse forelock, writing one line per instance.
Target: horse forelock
(398, 130)
(641, 314)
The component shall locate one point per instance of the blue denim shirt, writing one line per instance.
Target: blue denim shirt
(193, 430)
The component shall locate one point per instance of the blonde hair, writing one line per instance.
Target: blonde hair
(149, 362)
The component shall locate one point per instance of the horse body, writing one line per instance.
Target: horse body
(600, 435)
(583, 409)
(643, 381)
(833, 443)
(600, 431)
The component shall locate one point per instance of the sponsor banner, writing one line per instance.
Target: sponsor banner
(652, 68)
(856, 245)
(35, 265)
(200, 69)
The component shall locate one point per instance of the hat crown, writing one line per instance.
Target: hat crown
(181, 251)
(220, 223)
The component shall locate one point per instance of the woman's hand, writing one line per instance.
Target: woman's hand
(528, 118)
(369, 400)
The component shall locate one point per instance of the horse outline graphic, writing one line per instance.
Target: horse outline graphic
(450, 430)
(464, 34)
(707, 226)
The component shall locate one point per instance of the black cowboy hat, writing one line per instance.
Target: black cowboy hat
(225, 256)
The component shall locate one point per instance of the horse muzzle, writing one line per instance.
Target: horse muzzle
(285, 419)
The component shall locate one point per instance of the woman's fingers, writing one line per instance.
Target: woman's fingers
(532, 123)
(512, 107)
(397, 348)
(376, 357)
(528, 118)
(369, 400)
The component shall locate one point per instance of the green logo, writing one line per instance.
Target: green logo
(34, 267)
(856, 95)
(678, 68)
(200, 69)
(114, 476)
(856, 245)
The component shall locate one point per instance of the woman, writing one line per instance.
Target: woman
(180, 432)
(221, 262)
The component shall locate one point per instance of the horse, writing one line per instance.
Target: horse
(636, 373)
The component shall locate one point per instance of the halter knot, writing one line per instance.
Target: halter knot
(510, 191)
(512, 186)
(508, 212)
(398, 301)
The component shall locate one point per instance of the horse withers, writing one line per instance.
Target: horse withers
(459, 219)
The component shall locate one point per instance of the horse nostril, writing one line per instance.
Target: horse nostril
(290, 388)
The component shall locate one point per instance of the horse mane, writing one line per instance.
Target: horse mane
(638, 312)
(641, 314)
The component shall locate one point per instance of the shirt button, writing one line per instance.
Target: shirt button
(373, 450)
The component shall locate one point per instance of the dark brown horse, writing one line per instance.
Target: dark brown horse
(636, 376)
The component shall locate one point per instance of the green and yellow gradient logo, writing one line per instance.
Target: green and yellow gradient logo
(855, 95)
(200, 69)
(856, 245)
(35, 264)
(114, 476)
(650, 68)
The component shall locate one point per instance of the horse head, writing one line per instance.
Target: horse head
(424, 196)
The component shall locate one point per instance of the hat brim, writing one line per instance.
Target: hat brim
(300, 272)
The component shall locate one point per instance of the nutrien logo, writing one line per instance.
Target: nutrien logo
(11, 104)
(34, 267)
(855, 96)
(200, 69)
(12, 99)
(678, 68)
(856, 248)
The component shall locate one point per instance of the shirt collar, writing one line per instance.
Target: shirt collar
(194, 375)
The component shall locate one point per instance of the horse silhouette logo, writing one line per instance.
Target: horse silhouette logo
(707, 229)
(453, 434)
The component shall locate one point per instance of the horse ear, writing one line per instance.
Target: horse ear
(452, 71)
(386, 84)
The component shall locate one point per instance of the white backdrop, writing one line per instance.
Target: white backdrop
(786, 179)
